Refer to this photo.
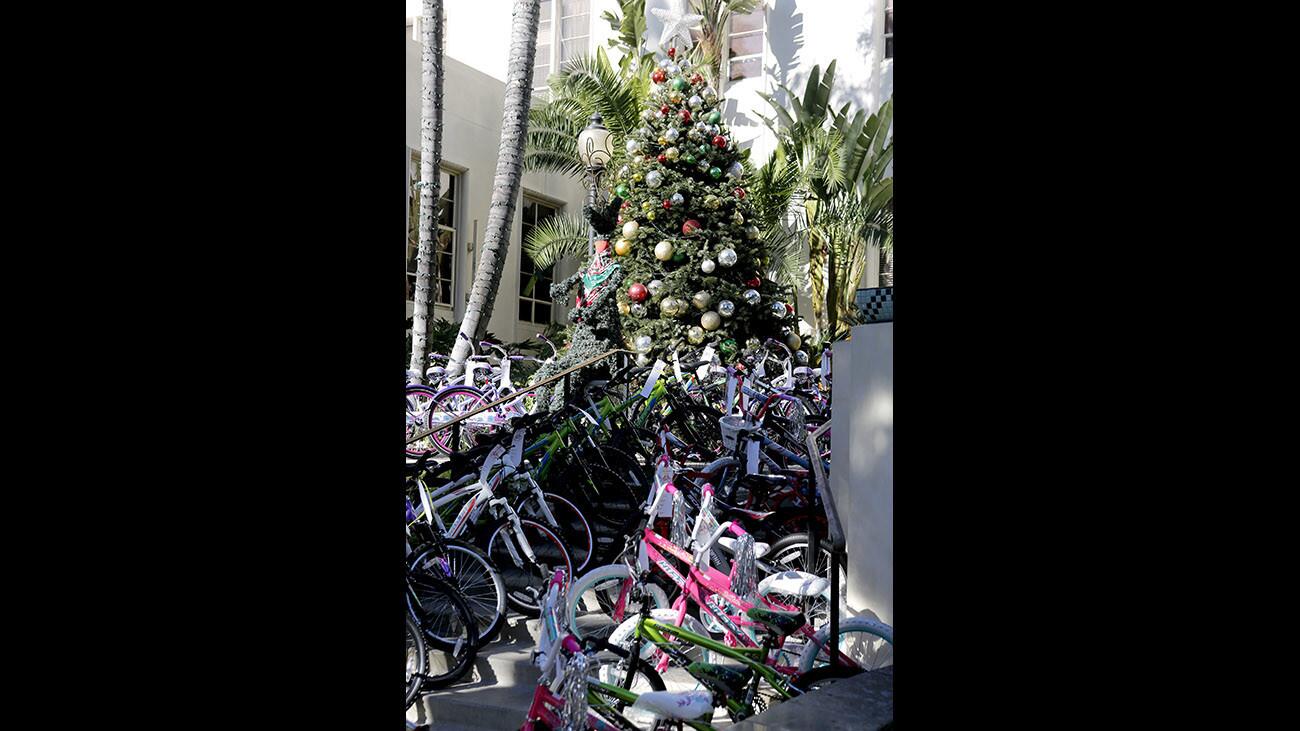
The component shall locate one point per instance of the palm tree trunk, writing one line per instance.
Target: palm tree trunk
(430, 181)
(505, 186)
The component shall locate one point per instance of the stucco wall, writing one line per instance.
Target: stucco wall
(862, 476)
(470, 139)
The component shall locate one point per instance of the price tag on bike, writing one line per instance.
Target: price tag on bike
(677, 367)
(650, 382)
(703, 370)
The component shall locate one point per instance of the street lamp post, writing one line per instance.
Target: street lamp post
(594, 151)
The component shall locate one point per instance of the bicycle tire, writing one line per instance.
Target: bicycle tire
(451, 403)
(526, 584)
(448, 627)
(416, 660)
(823, 676)
(880, 654)
(573, 527)
(600, 582)
(474, 574)
(419, 400)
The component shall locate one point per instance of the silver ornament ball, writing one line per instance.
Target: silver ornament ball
(727, 257)
(726, 308)
(752, 296)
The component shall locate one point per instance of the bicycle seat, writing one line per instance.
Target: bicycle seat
(793, 583)
(729, 543)
(777, 622)
(726, 680)
(681, 705)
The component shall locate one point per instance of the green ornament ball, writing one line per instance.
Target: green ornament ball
(679, 257)
(715, 172)
(680, 84)
(622, 191)
(689, 158)
(714, 117)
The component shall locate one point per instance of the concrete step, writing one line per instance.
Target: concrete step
(497, 693)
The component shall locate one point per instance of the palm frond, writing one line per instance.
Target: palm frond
(556, 238)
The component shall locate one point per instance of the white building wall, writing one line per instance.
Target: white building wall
(471, 137)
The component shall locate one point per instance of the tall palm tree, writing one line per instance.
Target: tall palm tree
(430, 180)
(506, 183)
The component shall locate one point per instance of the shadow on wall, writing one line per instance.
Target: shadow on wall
(785, 36)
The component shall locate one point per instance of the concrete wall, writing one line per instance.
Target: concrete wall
(862, 475)
(471, 137)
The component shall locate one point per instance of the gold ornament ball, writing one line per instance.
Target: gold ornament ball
(623, 308)
(650, 215)
(631, 229)
(695, 335)
(793, 342)
(710, 320)
(664, 250)
(622, 247)
(738, 219)
(638, 177)
(701, 300)
(663, 141)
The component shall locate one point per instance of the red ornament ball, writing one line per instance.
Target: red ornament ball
(672, 52)
(626, 204)
(665, 109)
(789, 308)
(658, 76)
(690, 227)
(662, 158)
(637, 292)
(697, 79)
(602, 245)
(754, 283)
(667, 204)
(739, 192)
(686, 115)
(719, 141)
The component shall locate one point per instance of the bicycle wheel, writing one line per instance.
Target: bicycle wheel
(615, 503)
(791, 554)
(419, 399)
(454, 402)
(526, 580)
(449, 630)
(594, 597)
(868, 643)
(416, 660)
(570, 525)
(479, 582)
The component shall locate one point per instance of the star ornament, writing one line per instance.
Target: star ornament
(677, 24)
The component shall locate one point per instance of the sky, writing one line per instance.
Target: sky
(478, 32)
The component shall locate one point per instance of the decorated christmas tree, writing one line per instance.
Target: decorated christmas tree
(693, 260)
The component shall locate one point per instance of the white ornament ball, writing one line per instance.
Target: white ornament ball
(736, 170)
(752, 296)
(672, 134)
(643, 360)
(633, 145)
(654, 286)
(707, 266)
(630, 230)
(726, 308)
(701, 300)
(695, 335)
(654, 179)
(664, 250)
(727, 257)
(710, 320)
(644, 343)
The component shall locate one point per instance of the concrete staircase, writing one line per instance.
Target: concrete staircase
(495, 696)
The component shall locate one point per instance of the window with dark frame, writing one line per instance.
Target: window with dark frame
(563, 34)
(445, 237)
(745, 45)
(534, 284)
(889, 28)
